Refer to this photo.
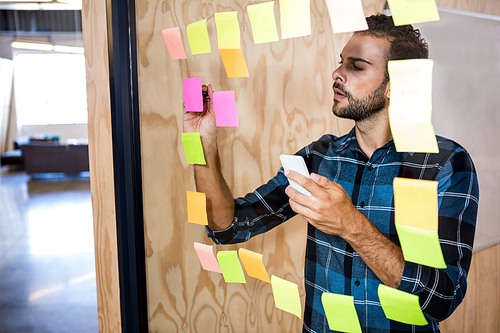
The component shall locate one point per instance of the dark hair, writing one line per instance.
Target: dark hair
(406, 42)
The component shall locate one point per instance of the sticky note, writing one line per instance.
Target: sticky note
(411, 89)
(172, 37)
(263, 22)
(413, 11)
(193, 96)
(341, 313)
(197, 207)
(253, 264)
(421, 246)
(228, 30)
(416, 203)
(295, 18)
(286, 296)
(207, 258)
(346, 15)
(193, 148)
(225, 109)
(411, 105)
(197, 33)
(231, 267)
(414, 137)
(401, 306)
(234, 62)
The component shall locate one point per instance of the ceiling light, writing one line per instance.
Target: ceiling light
(68, 49)
(32, 46)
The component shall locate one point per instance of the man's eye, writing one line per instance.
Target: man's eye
(356, 68)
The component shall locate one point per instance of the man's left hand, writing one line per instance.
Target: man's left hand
(329, 208)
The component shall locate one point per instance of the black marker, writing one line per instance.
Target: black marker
(205, 94)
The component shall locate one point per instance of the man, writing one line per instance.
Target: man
(352, 245)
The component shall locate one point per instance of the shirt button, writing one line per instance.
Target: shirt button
(357, 283)
(370, 167)
(362, 204)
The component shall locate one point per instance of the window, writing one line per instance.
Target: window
(50, 88)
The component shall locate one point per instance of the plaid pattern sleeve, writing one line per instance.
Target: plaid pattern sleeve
(442, 290)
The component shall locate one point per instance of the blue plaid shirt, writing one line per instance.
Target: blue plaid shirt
(331, 265)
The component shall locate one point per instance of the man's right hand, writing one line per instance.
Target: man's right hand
(202, 122)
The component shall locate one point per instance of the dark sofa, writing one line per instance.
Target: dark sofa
(39, 158)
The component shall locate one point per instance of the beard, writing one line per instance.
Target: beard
(360, 108)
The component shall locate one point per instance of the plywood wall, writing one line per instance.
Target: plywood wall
(101, 164)
(284, 105)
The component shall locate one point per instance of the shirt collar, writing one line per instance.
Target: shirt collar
(351, 143)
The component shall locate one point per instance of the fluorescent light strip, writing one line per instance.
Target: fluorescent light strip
(68, 49)
(32, 46)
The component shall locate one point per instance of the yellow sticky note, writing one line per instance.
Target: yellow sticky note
(413, 11)
(411, 105)
(286, 296)
(414, 137)
(420, 246)
(401, 306)
(295, 18)
(234, 62)
(411, 90)
(341, 313)
(193, 148)
(416, 203)
(263, 22)
(228, 30)
(197, 208)
(197, 33)
(253, 264)
(346, 15)
(231, 267)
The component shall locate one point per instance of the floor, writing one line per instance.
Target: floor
(47, 268)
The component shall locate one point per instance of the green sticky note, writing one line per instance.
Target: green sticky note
(400, 306)
(341, 313)
(421, 246)
(231, 267)
(193, 148)
(263, 22)
(413, 11)
(286, 296)
(197, 33)
(228, 30)
(295, 16)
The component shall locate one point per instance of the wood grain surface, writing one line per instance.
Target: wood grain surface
(101, 164)
(284, 105)
(491, 7)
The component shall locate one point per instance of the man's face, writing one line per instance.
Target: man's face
(360, 83)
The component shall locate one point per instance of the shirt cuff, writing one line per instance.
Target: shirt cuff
(222, 236)
(415, 278)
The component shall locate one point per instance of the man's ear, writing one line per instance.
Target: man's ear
(388, 92)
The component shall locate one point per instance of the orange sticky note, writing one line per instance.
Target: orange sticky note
(172, 37)
(197, 208)
(253, 264)
(416, 203)
(234, 62)
(286, 296)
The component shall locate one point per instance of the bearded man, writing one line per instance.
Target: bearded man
(352, 245)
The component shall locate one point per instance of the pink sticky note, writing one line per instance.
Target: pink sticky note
(193, 96)
(346, 15)
(225, 109)
(172, 38)
(207, 257)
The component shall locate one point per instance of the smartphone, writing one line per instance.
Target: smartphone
(297, 164)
